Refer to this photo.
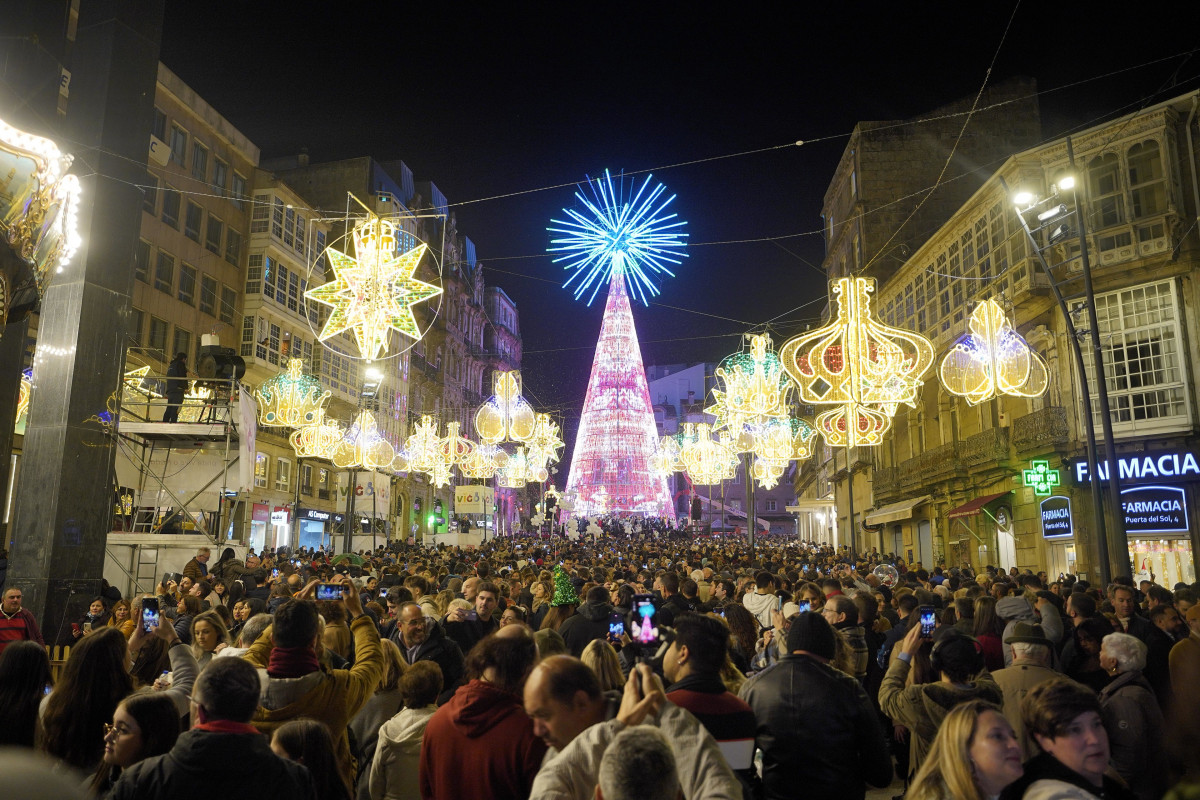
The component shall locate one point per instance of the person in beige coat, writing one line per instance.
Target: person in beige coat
(1030, 657)
(395, 770)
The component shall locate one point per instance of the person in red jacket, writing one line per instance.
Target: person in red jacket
(16, 623)
(481, 743)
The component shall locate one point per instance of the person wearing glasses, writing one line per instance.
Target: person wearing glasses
(143, 725)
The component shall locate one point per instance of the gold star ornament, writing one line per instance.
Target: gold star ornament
(373, 292)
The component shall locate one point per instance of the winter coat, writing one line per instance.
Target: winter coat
(398, 755)
(1135, 734)
(1047, 778)
(588, 623)
(761, 606)
(817, 730)
(332, 696)
(1013, 610)
(672, 607)
(480, 744)
(439, 649)
(203, 765)
(1016, 682)
(365, 729)
(229, 571)
(573, 773)
(922, 707)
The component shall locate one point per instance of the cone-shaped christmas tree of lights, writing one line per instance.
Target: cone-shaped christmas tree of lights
(610, 467)
(621, 234)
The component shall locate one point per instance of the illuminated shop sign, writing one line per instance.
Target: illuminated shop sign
(1155, 509)
(1168, 465)
(1056, 517)
(312, 513)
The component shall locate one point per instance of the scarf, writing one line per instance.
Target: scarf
(292, 662)
(226, 726)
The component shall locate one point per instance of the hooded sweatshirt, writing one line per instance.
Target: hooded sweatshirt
(761, 606)
(480, 744)
(397, 757)
(588, 623)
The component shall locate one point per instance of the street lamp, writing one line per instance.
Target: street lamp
(1055, 219)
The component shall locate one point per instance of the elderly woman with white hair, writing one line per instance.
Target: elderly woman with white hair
(1132, 717)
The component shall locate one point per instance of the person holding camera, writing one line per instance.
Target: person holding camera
(297, 685)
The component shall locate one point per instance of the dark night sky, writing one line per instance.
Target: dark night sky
(492, 99)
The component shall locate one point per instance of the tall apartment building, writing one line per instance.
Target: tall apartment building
(949, 482)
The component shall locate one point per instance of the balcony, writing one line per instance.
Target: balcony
(930, 466)
(990, 446)
(886, 482)
(1042, 429)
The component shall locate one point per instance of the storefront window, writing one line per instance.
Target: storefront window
(1164, 561)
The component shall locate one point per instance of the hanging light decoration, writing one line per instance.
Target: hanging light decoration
(506, 415)
(862, 368)
(25, 394)
(665, 458)
(440, 474)
(993, 359)
(401, 462)
(804, 440)
(755, 387)
(481, 463)
(291, 399)
(454, 449)
(363, 446)
(318, 440)
(373, 292)
(422, 445)
(706, 459)
(545, 437)
(514, 473)
(767, 472)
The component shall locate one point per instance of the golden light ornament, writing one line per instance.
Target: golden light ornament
(506, 415)
(481, 463)
(858, 365)
(993, 359)
(665, 459)
(291, 399)
(767, 472)
(422, 444)
(440, 474)
(363, 447)
(24, 396)
(137, 388)
(755, 386)
(319, 439)
(773, 440)
(545, 437)
(514, 473)
(706, 459)
(401, 462)
(804, 440)
(373, 292)
(453, 448)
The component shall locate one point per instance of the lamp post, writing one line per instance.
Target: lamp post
(1051, 220)
(370, 389)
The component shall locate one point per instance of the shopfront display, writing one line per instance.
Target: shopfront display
(260, 518)
(1166, 561)
(313, 525)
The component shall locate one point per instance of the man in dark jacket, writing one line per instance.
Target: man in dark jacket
(234, 758)
(816, 726)
(421, 638)
(588, 623)
(176, 386)
(673, 602)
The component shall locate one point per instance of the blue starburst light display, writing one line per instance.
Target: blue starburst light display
(619, 232)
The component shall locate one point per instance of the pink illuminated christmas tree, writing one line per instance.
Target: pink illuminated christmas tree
(624, 240)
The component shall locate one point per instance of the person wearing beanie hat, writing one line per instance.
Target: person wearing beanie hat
(816, 725)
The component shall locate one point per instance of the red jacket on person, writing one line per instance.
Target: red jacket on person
(480, 744)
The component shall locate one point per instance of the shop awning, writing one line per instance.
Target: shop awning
(976, 506)
(894, 511)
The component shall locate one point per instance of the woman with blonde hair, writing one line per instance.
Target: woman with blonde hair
(209, 637)
(600, 657)
(122, 618)
(974, 756)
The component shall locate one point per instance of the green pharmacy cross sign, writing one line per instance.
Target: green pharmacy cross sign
(1041, 477)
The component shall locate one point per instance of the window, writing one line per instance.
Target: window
(1104, 189)
(187, 286)
(182, 342)
(193, 222)
(208, 295)
(228, 305)
(277, 218)
(159, 127)
(170, 212)
(212, 241)
(220, 176)
(1143, 359)
(306, 473)
(141, 261)
(199, 161)
(150, 194)
(283, 474)
(233, 247)
(254, 270)
(157, 340)
(260, 217)
(247, 336)
(137, 324)
(260, 470)
(239, 190)
(273, 345)
(178, 144)
(1147, 182)
(164, 272)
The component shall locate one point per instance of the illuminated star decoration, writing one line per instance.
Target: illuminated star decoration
(993, 359)
(374, 292)
(1041, 477)
(858, 365)
(622, 233)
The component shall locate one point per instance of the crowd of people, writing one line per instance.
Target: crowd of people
(637, 663)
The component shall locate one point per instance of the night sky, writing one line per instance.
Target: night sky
(488, 100)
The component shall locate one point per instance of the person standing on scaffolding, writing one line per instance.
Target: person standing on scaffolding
(176, 387)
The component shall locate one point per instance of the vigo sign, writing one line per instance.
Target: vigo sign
(1155, 509)
(1166, 465)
